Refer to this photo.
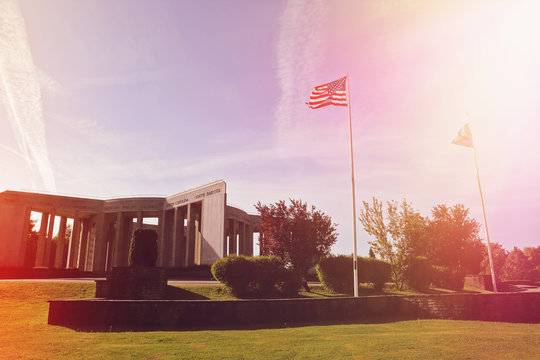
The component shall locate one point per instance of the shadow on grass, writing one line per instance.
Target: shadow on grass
(239, 326)
(176, 293)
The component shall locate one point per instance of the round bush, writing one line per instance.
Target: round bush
(262, 276)
(143, 248)
(376, 272)
(336, 272)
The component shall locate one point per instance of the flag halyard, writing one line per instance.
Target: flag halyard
(333, 93)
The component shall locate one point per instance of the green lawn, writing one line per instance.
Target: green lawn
(24, 334)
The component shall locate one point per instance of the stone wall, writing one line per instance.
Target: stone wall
(479, 282)
(171, 314)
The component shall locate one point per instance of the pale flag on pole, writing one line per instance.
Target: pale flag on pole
(464, 137)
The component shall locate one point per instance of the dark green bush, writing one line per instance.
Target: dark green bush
(336, 272)
(143, 248)
(419, 273)
(446, 278)
(374, 271)
(263, 276)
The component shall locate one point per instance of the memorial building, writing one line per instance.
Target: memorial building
(195, 227)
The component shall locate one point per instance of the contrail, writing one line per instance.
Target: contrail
(21, 94)
(299, 50)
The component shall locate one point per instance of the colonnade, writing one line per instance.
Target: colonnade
(194, 227)
(73, 252)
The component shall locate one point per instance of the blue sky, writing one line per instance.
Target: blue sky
(127, 98)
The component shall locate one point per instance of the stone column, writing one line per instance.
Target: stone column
(60, 243)
(40, 252)
(190, 241)
(241, 238)
(118, 240)
(24, 236)
(162, 231)
(232, 236)
(198, 239)
(139, 219)
(48, 241)
(75, 242)
(248, 250)
(84, 243)
(100, 244)
(179, 248)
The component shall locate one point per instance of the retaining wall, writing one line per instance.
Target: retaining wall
(169, 314)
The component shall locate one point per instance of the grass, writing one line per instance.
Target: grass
(24, 334)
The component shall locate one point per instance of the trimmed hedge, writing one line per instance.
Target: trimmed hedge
(335, 272)
(143, 248)
(262, 276)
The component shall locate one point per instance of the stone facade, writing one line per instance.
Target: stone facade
(195, 227)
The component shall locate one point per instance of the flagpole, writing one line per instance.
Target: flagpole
(355, 257)
(492, 268)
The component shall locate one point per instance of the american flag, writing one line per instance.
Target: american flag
(333, 93)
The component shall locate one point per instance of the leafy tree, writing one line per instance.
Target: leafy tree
(297, 235)
(453, 239)
(399, 234)
(533, 255)
(516, 266)
(499, 255)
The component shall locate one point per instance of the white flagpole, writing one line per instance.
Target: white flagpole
(355, 257)
(492, 268)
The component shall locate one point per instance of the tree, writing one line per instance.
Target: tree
(399, 235)
(498, 254)
(533, 255)
(453, 239)
(516, 266)
(298, 236)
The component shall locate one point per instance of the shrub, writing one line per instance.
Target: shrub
(263, 276)
(335, 272)
(446, 278)
(375, 271)
(143, 248)
(419, 273)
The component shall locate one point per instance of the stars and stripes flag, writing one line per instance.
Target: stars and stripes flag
(333, 93)
(464, 137)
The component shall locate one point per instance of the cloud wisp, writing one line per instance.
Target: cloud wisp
(20, 94)
(299, 52)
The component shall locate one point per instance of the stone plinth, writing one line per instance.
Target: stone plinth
(133, 282)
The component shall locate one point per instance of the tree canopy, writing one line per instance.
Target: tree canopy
(400, 235)
(453, 239)
(298, 234)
